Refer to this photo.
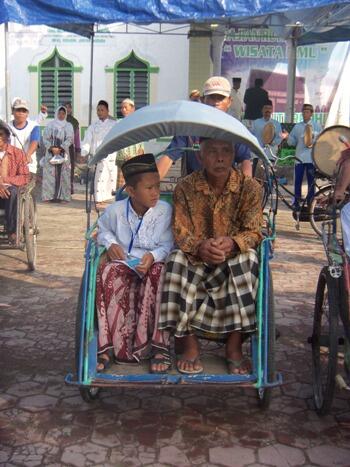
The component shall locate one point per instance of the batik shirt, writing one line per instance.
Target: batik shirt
(199, 214)
(17, 172)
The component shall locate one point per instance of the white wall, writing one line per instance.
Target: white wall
(30, 45)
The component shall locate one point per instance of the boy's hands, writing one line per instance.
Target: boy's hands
(115, 252)
(145, 263)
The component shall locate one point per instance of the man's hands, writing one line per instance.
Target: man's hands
(115, 252)
(145, 263)
(339, 195)
(4, 192)
(215, 250)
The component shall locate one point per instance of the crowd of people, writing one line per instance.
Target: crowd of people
(182, 270)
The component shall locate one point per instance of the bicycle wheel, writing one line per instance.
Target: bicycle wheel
(264, 394)
(30, 231)
(318, 209)
(325, 341)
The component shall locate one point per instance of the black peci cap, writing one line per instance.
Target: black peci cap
(139, 165)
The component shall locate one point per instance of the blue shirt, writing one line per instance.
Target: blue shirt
(257, 130)
(176, 150)
(296, 138)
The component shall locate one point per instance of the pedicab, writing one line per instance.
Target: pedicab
(187, 119)
(26, 225)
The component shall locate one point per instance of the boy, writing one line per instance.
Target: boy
(137, 235)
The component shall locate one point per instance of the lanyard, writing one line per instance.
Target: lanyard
(133, 234)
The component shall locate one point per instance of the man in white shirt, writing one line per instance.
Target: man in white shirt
(303, 153)
(25, 133)
(106, 170)
(236, 109)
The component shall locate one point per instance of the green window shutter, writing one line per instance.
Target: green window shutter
(47, 90)
(131, 81)
(64, 86)
(55, 81)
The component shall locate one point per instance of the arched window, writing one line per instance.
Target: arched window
(131, 80)
(55, 81)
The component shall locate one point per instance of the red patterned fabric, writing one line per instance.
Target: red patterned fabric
(128, 310)
(17, 167)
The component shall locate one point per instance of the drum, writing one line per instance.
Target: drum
(308, 135)
(268, 133)
(327, 149)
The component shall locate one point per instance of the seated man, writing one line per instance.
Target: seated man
(211, 280)
(14, 173)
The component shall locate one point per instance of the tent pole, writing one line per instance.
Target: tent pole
(7, 100)
(292, 66)
(91, 72)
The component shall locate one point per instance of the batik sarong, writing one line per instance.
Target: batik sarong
(214, 299)
(127, 311)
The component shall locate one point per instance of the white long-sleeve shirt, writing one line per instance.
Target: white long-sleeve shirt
(118, 224)
(95, 134)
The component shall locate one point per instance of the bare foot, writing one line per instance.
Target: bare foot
(189, 361)
(160, 363)
(103, 361)
(237, 365)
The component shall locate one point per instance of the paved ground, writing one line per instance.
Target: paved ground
(44, 422)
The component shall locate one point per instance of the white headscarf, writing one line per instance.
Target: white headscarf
(56, 123)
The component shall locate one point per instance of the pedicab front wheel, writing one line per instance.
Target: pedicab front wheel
(87, 393)
(30, 230)
(325, 341)
(264, 394)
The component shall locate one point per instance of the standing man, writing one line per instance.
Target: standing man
(216, 93)
(127, 107)
(25, 133)
(236, 109)
(195, 96)
(106, 171)
(298, 137)
(268, 132)
(254, 99)
(74, 149)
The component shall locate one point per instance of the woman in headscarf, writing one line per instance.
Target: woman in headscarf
(106, 170)
(57, 138)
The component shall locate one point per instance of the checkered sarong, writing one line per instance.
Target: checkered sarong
(217, 299)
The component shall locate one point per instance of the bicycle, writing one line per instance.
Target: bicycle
(302, 209)
(331, 302)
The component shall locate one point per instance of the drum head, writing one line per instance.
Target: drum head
(308, 136)
(268, 133)
(327, 148)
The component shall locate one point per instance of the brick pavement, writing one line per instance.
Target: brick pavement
(44, 422)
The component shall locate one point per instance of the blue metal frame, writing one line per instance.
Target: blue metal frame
(87, 376)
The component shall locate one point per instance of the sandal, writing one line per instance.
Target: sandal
(238, 365)
(164, 359)
(106, 362)
(193, 361)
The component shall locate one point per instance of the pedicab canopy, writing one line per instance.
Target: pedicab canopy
(176, 118)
